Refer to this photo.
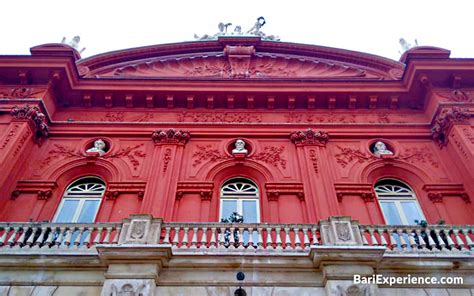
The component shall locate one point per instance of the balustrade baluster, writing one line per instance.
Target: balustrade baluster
(269, 238)
(315, 236)
(106, 239)
(393, 242)
(469, 242)
(117, 234)
(383, 241)
(232, 237)
(222, 242)
(98, 235)
(260, 238)
(362, 234)
(403, 243)
(194, 238)
(184, 242)
(77, 241)
(175, 241)
(213, 242)
(421, 241)
(39, 241)
(204, 238)
(411, 240)
(373, 239)
(279, 244)
(250, 243)
(20, 242)
(59, 239)
(86, 237)
(6, 230)
(50, 240)
(286, 233)
(12, 239)
(31, 238)
(441, 243)
(166, 238)
(297, 238)
(459, 240)
(305, 237)
(449, 240)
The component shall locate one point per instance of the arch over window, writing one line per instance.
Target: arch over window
(240, 195)
(81, 201)
(398, 202)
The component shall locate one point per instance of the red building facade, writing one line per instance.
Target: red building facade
(169, 117)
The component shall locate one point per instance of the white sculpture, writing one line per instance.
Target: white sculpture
(99, 146)
(381, 149)
(405, 45)
(254, 31)
(74, 43)
(239, 147)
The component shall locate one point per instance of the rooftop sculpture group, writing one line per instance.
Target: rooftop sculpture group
(254, 31)
(74, 43)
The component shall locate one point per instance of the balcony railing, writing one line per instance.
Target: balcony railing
(447, 239)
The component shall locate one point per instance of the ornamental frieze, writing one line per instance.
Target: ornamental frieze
(456, 95)
(207, 153)
(21, 92)
(347, 155)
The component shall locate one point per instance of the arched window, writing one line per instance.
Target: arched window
(240, 195)
(398, 202)
(81, 201)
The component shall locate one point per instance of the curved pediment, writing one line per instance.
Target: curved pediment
(228, 59)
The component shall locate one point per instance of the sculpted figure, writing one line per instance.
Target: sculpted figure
(381, 149)
(255, 30)
(405, 45)
(239, 147)
(99, 146)
(74, 43)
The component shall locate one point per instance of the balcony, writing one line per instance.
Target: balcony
(248, 239)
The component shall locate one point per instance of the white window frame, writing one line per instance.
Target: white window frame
(398, 198)
(68, 195)
(239, 198)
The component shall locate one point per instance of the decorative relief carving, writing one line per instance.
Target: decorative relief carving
(166, 159)
(343, 231)
(444, 120)
(469, 135)
(240, 62)
(229, 117)
(128, 287)
(418, 154)
(132, 153)
(21, 142)
(170, 136)
(207, 153)
(137, 229)
(43, 189)
(314, 160)
(11, 133)
(60, 151)
(349, 154)
(120, 116)
(365, 191)
(437, 192)
(460, 146)
(21, 92)
(333, 117)
(354, 290)
(37, 118)
(271, 155)
(456, 95)
(309, 137)
(115, 189)
(204, 189)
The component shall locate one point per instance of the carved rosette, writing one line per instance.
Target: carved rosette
(443, 122)
(34, 116)
(170, 136)
(309, 137)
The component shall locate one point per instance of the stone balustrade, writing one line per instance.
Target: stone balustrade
(240, 236)
(144, 230)
(66, 236)
(418, 239)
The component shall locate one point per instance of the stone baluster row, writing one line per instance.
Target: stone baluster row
(432, 238)
(239, 236)
(61, 236)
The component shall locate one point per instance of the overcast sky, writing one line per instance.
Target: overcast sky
(362, 25)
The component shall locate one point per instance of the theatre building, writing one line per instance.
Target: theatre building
(169, 169)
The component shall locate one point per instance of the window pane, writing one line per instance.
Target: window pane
(68, 210)
(88, 211)
(249, 208)
(228, 207)
(411, 212)
(391, 214)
